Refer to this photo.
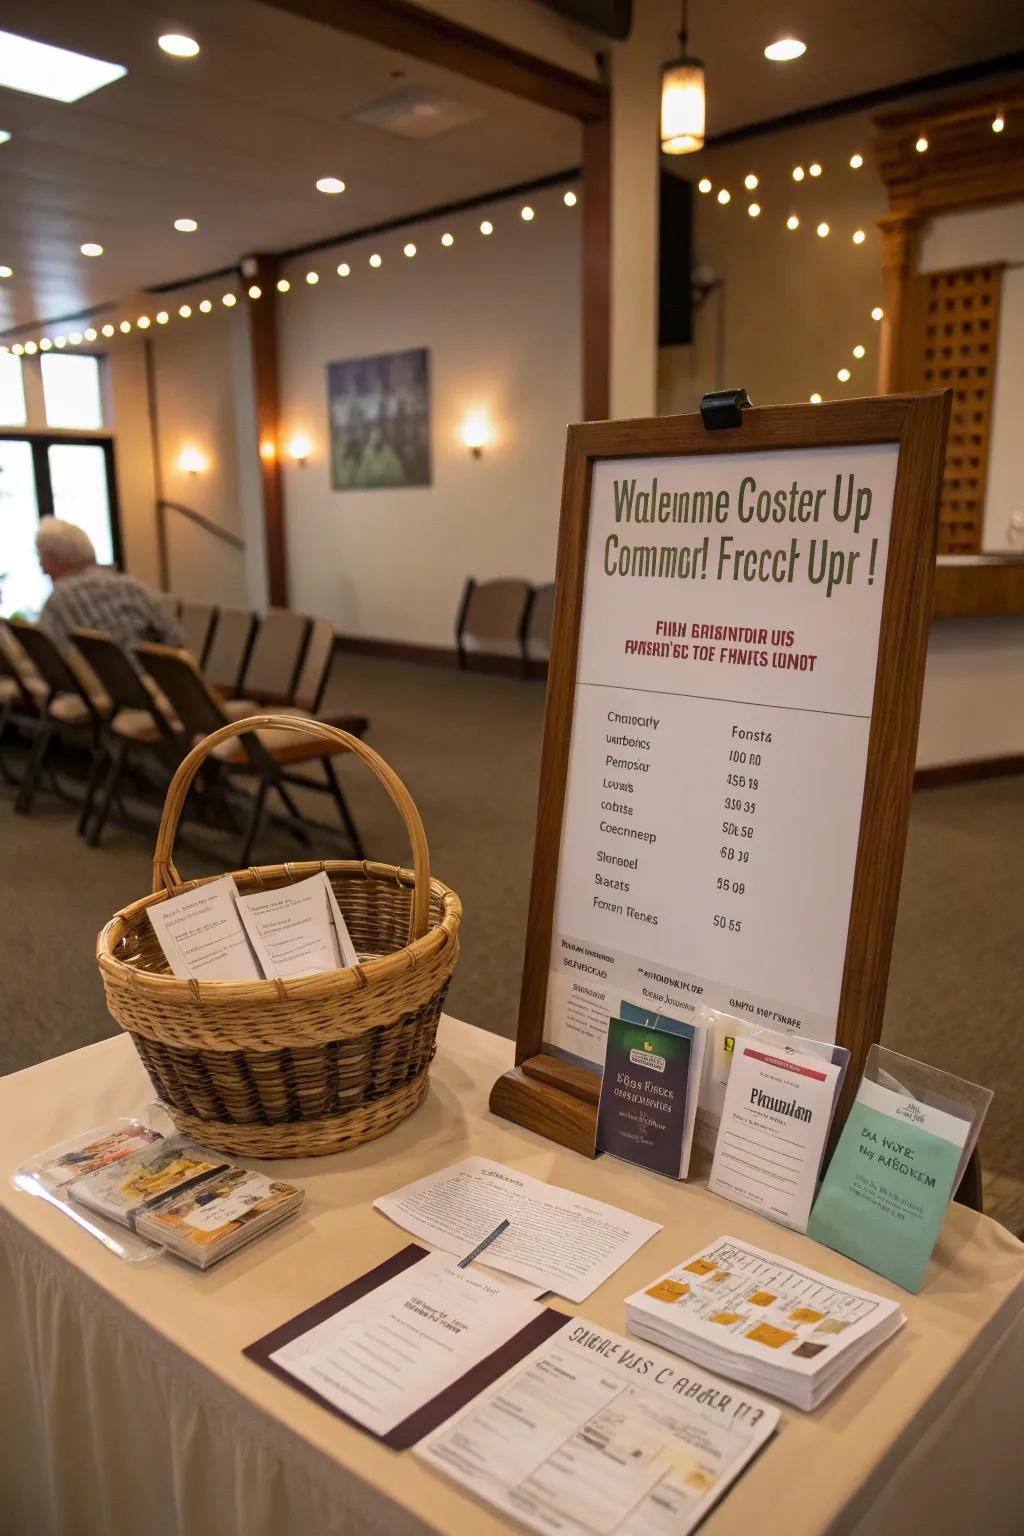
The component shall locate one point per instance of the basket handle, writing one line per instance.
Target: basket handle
(165, 875)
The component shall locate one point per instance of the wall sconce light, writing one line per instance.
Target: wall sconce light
(191, 461)
(268, 450)
(476, 433)
(299, 449)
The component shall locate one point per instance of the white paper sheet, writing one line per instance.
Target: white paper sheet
(397, 1347)
(593, 1434)
(556, 1238)
(201, 934)
(292, 928)
(776, 1117)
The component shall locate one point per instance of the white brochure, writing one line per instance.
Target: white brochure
(201, 934)
(294, 930)
(396, 1348)
(555, 1238)
(775, 1120)
(593, 1433)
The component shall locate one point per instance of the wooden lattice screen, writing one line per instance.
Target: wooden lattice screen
(950, 341)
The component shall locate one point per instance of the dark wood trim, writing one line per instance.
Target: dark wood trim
(980, 589)
(263, 339)
(407, 28)
(596, 265)
(163, 558)
(970, 771)
(918, 424)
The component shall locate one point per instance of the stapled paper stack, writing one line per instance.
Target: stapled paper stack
(763, 1321)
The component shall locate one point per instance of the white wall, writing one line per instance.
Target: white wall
(500, 316)
(970, 239)
(973, 685)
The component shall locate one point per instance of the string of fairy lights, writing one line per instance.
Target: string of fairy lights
(58, 339)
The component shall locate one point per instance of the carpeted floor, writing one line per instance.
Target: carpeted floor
(468, 747)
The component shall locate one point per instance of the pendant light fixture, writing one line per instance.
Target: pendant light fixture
(682, 100)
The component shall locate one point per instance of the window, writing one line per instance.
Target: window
(71, 391)
(78, 486)
(12, 391)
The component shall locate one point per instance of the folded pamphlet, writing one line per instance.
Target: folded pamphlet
(763, 1321)
(648, 1100)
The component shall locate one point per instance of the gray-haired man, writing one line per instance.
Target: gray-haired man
(90, 596)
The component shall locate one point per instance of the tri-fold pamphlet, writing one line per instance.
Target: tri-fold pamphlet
(212, 933)
(190, 1200)
(763, 1321)
(555, 1238)
(649, 1089)
(896, 1167)
(774, 1124)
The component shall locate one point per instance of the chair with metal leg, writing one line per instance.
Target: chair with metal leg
(19, 705)
(66, 706)
(197, 624)
(227, 652)
(275, 659)
(267, 757)
(139, 721)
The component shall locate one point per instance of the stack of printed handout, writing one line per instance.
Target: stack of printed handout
(763, 1320)
(191, 1201)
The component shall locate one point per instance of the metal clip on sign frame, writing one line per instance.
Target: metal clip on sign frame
(723, 408)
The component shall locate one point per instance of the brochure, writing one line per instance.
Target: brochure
(891, 1178)
(210, 1219)
(126, 1187)
(649, 1090)
(297, 930)
(90, 1152)
(552, 1237)
(201, 934)
(591, 1434)
(775, 1122)
(400, 1349)
(763, 1320)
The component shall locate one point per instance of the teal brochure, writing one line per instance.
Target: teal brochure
(890, 1180)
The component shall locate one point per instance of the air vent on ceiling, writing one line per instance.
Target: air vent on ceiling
(416, 113)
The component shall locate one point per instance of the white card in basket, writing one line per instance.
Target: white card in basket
(201, 934)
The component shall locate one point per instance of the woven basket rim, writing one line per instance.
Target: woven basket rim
(340, 982)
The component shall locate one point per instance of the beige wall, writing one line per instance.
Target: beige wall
(787, 308)
(500, 316)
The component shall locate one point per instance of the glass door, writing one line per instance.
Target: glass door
(23, 587)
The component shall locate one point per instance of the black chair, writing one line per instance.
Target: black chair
(493, 610)
(138, 720)
(65, 705)
(265, 756)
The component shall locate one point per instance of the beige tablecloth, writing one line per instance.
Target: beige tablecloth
(129, 1410)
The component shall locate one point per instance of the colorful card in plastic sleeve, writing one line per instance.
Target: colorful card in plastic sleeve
(899, 1160)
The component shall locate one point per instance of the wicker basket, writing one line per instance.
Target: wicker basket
(300, 1067)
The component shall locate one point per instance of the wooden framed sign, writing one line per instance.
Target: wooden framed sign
(741, 623)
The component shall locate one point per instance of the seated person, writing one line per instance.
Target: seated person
(90, 596)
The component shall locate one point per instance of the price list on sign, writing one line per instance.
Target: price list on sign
(721, 715)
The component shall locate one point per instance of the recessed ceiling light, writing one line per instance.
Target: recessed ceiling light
(283, 285)
(178, 45)
(792, 222)
(487, 228)
(856, 161)
(750, 181)
(754, 209)
(447, 238)
(56, 73)
(785, 48)
(858, 237)
(704, 185)
(90, 248)
(409, 250)
(375, 259)
(877, 312)
(569, 199)
(331, 185)
(312, 278)
(6, 271)
(798, 173)
(343, 269)
(186, 226)
(4, 136)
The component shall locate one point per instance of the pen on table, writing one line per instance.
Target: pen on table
(484, 1243)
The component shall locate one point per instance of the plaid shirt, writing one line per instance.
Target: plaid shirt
(102, 598)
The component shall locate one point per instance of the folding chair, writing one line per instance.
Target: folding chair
(138, 718)
(197, 621)
(273, 666)
(228, 651)
(493, 610)
(65, 703)
(312, 683)
(265, 756)
(19, 696)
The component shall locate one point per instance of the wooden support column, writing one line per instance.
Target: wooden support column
(900, 234)
(263, 270)
(596, 267)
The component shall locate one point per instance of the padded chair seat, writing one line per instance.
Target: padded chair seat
(69, 709)
(240, 709)
(138, 725)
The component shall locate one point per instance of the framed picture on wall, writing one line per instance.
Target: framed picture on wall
(379, 410)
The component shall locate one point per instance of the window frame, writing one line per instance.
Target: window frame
(40, 443)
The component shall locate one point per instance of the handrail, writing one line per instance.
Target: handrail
(203, 522)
